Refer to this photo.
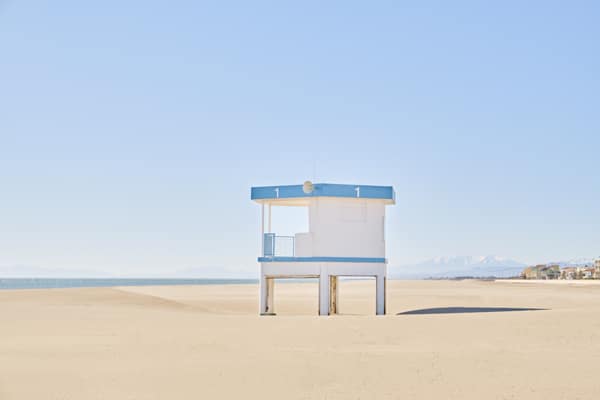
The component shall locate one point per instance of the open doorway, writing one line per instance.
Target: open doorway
(284, 225)
(287, 221)
(356, 295)
(296, 296)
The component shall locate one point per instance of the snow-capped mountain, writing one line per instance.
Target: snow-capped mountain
(575, 262)
(438, 267)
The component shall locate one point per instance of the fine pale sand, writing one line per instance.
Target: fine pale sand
(440, 340)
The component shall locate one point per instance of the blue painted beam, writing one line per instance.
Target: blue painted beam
(323, 190)
(324, 259)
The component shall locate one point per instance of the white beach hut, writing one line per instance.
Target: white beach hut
(346, 237)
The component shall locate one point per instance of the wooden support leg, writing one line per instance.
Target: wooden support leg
(267, 286)
(333, 294)
(270, 295)
(263, 295)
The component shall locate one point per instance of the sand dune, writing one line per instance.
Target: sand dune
(440, 340)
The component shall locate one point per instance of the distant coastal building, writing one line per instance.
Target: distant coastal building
(346, 237)
(554, 271)
(551, 272)
(568, 273)
(530, 273)
(586, 272)
(541, 272)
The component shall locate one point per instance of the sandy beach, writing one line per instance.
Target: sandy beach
(440, 340)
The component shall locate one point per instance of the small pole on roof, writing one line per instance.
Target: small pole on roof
(262, 229)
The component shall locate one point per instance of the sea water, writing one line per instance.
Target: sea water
(47, 283)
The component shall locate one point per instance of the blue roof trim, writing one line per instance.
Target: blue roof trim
(323, 259)
(323, 190)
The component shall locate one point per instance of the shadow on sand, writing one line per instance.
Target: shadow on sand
(466, 310)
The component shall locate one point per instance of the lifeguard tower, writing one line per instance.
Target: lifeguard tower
(346, 237)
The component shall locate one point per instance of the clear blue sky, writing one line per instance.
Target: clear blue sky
(131, 132)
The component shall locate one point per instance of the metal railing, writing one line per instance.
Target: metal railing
(278, 246)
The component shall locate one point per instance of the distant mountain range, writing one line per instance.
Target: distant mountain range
(483, 266)
(28, 271)
(576, 262)
(441, 267)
